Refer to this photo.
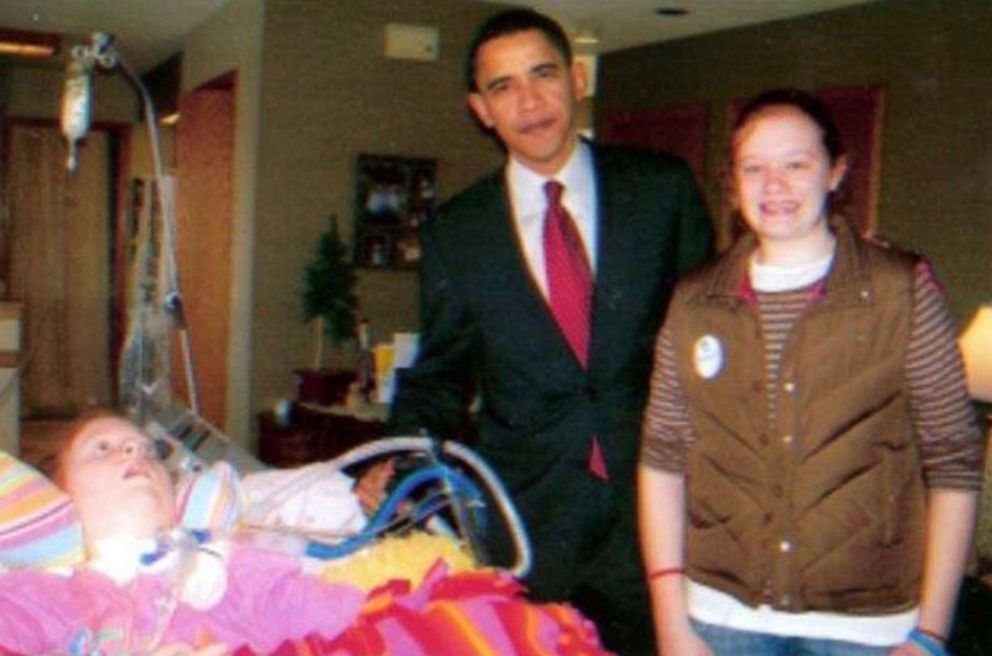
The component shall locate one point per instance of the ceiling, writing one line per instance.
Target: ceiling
(618, 24)
(148, 31)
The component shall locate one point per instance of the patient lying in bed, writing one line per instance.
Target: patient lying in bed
(147, 582)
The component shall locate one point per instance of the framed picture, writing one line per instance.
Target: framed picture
(394, 197)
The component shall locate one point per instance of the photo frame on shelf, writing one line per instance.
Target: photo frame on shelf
(394, 196)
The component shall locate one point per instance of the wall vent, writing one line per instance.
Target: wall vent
(417, 42)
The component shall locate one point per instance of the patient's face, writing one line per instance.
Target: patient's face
(118, 485)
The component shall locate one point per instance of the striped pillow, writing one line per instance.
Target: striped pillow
(211, 500)
(39, 526)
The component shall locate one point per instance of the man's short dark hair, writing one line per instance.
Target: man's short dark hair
(514, 21)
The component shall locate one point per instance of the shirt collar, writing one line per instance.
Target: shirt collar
(576, 175)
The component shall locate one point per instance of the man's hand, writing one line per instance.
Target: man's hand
(370, 488)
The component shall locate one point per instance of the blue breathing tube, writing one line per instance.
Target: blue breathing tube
(455, 482)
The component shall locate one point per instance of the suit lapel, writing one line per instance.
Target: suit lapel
(613, 198)
(507, 255)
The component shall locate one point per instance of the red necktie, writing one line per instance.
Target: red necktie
(569, 274)
(569, 289)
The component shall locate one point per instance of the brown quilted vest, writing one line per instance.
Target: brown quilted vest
(823, 510)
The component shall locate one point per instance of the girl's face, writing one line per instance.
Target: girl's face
(783, 175)
(118, 485)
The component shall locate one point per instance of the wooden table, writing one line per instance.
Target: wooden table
(316, 433)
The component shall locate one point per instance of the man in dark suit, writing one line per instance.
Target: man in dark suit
(559, 416)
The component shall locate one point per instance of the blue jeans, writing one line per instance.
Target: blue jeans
(734, 642)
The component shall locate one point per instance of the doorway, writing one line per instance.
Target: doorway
(59, 263)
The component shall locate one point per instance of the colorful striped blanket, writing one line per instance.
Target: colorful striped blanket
(467, 614)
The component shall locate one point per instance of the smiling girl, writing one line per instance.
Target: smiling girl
(810, 459)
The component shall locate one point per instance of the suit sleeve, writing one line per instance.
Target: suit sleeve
(695, 227)
(435, 394)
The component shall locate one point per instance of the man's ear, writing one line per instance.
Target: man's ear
(480, 109)
(580, 79)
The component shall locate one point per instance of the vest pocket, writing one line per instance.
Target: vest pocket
(893, 486)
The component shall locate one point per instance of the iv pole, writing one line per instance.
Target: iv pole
(102, 51)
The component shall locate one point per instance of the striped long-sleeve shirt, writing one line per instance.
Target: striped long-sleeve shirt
(951, 445)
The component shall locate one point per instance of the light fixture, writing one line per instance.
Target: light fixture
(32, 45)
(586, 37)
(976, 348)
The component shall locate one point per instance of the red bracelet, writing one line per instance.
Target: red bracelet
(665, 571)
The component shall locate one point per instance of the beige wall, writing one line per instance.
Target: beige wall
(314, 91)
(35, 90)
(931, 57)
(327, 95)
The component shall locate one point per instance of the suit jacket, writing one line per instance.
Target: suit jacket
(487, 329)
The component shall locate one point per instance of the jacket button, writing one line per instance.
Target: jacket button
(787, 440)
(592, 393)
(789, 386)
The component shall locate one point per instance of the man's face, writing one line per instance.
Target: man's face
(116, 482)
(528, 93)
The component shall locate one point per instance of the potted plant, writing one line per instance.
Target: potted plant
(329, 302)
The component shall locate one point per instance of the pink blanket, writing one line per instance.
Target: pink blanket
(268, 599)
(271, 607)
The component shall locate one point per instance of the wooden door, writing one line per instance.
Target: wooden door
(59, 254)
(205, 156)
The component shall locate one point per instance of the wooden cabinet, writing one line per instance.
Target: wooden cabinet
(314, 434)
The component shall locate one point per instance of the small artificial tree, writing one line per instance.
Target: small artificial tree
(328, 292)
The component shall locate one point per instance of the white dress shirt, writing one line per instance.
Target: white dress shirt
(528, 205)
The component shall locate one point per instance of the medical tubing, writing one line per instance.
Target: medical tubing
(380, 519)
(502, 498)
(469, 457)
(405, 487)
